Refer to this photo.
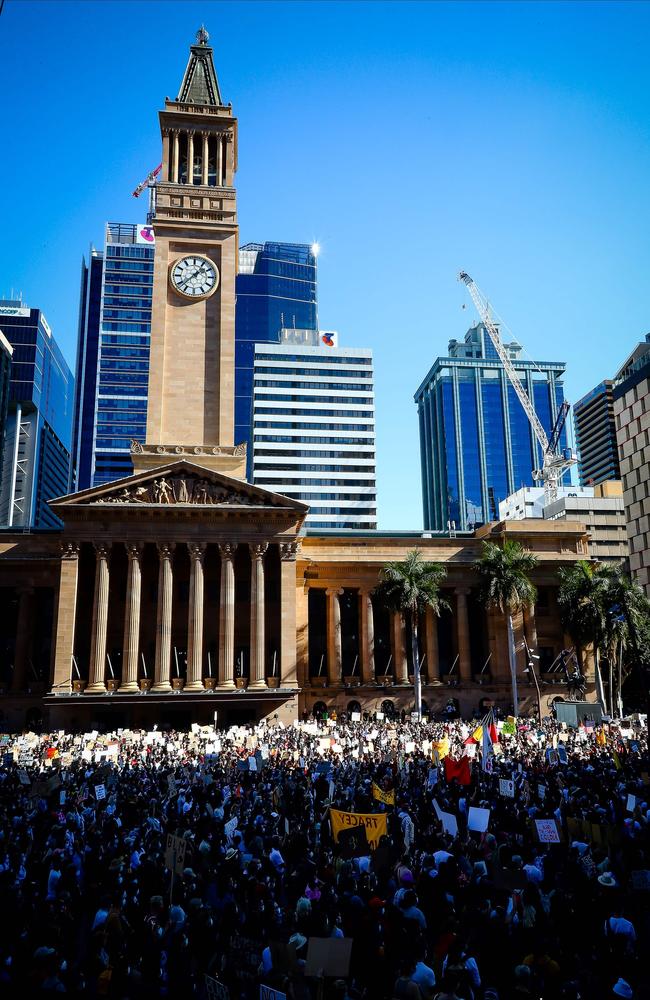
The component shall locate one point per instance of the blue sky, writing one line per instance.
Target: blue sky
(411, 139)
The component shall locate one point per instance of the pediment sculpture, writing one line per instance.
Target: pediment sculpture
(180, 490)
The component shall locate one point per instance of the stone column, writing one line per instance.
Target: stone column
(288, 668)
(190, 157)
(175, 155)
(66, 617)
(398, 635)
(194, 680)
(204, 160)
(167, 173)
(100, 621)
(162, 667)
(219, 142)
(131, 644)
(433, 655)
(24, 639)
(462, 636)
(334, 645)
(258, 647)
(367, 629)
(227, 617)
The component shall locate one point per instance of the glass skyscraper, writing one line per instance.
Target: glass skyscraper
(276, 289)
(476, 443)
(36, 448)
(113, 354)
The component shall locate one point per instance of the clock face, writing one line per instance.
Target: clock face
(194, 277)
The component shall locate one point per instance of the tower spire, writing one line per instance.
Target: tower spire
(200, 84)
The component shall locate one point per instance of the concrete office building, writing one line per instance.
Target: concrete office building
(110, 408)
(36, 449)
(595, 429)
(632, 415)
(598, 508)
(476, 443)
(314, 428)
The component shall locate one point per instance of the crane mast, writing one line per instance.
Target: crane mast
(555, 461)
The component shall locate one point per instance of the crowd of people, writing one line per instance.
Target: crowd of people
(515, 861)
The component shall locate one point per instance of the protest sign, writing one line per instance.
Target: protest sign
(449, 823)
(355, 716)
(375, 824)
(388, 798)
(478, 819)
(506, 788)
(266, 993)
(175, 854)
(547, 831)
(328, 957)
(230, 827)
(631, 804)
(100, 792)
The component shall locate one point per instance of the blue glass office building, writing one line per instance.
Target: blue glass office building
(276, 289)
(36, 449)
(113, 354)
(476, 443)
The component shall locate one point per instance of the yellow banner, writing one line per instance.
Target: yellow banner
(441, 748)
(375, 824)
(388, 798)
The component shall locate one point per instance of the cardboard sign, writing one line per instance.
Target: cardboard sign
(328, 957)
(506, 788)
(175, 853)
(100, 792)
(355, 716)
(449, 823)
(547, 831)
(631, 804)
(478, 819)
(230, 827)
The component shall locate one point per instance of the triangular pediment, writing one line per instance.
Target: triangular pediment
(182, 485)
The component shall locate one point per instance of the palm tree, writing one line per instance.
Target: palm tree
(601, 606)
(505, 585)
(409, 588)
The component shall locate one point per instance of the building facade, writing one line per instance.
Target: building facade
(598, 508)
(595, 430)
(476, 443)
(632, 415)
(6, 352)
(181, 590)
(314, 428)
(110, 408)
(276, 289)
(36, 450)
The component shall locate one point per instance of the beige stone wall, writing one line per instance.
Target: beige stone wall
(632, 414)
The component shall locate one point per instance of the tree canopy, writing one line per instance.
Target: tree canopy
(505, 576)
(413, 585)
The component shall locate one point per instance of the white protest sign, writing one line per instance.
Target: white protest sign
(379, 716)
(547, 831)
(506, 788)
(478, 819)
(410, 747)
(470, 750)
(631, 803)
(355, 716)
(252, 764)
(449, 823)
(437, 808)
(100, 792)
(230, 827)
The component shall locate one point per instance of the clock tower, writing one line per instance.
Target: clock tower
(190, 408)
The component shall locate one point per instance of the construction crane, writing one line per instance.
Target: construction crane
(149, 182)
(555, 460)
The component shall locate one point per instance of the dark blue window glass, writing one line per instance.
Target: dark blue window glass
(449, 434)
(495, 445)
(471, 452)
(522, 458)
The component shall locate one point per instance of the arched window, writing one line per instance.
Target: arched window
(319, 711)
(354, 706)
(388, 708)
